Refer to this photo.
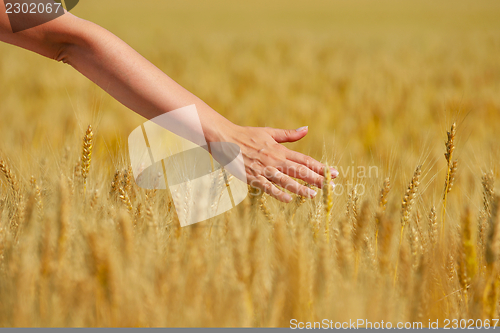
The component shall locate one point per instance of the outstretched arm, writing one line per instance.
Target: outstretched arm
(138, 84)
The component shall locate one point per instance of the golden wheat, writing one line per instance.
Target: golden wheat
(116, 254)
(450, 173)
(87, 154)
(327, 200)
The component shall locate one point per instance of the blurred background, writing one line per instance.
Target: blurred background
(376, 82)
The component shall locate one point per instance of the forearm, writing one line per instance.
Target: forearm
(114, 66)
(130, 78)
(135, 82)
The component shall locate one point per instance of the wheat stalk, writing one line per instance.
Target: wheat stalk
(406, 208)
(265, 209)
(63, 219)
(386, 236)
(358, 233)
(10, 177)
(487, 182)
(126, 232)
(423, 239)
(126, 200)
(468, 245)
(17, 217)
(345, 247)
(87, 154)
(299, 201)
(327, 200)
(384, 192)
(355, 199)
(414, 246)
(115, 183)
(491, 292)
(38, 194)
(127, 180)
(450, 173)
(95, 199)
(409, 198)
(433, 226)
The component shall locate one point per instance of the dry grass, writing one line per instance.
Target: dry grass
(82, 245)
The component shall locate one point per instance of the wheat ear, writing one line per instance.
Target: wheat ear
(115, 183)
(468, 245)
(327, 200)
(38, 194)
(406, 208)
(265, 209)
(450, 173)
(126, 200)
(433, 226)
(409, 199)
(386, 187)
(87, 154)
(485, 212)
(10, 177)
(491, 294)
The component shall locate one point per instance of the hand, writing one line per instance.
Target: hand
(267, 161)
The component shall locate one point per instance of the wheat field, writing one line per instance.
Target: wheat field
(406, 92)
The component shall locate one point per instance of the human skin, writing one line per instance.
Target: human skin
(139, 85)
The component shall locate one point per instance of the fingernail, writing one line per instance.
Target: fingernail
(288, 198)
(312, 193)
(332, 184)
(335, 173)
(303, 128)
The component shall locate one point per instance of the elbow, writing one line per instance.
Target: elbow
(63, 53)
(65, 38)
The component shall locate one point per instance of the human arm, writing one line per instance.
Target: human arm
(138, 84)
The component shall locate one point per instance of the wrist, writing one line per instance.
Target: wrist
(221, 131)
(216, 128)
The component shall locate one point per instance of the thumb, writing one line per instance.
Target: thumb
(286, 135)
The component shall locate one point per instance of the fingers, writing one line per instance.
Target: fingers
(310, 163)
(288, 183)
(265, 185)
(302, 172)
(284, 135)
(280, 165)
